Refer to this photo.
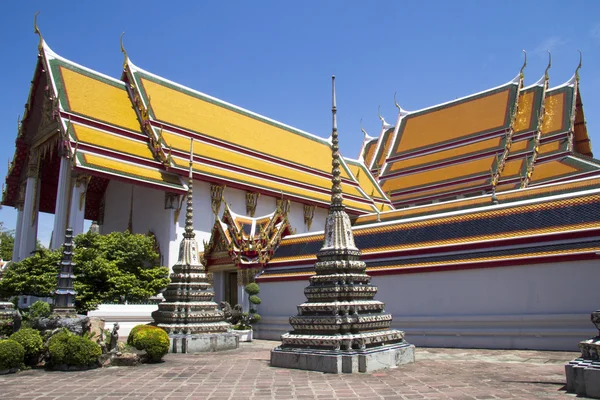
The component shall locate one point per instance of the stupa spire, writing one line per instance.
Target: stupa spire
(189, 314)
(189, 215)
(337, 200)
(340, 327)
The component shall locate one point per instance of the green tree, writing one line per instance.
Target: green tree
(109, 269)
(115, 268)
(7, 242)
(35, 275)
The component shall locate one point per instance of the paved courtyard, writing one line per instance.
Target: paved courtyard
(245, 374)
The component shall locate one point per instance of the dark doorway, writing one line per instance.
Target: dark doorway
(231, 295)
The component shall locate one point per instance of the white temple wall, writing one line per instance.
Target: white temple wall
(296, 218)
(540, 306)
(148, 214)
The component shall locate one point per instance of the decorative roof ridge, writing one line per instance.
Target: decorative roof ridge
(540, 82)
(466, 211)
(234, 107)
(366, 137)
(512, 82)
(380, 142)
(361, 164)
(522, 191)
(366, 140)
(52, 55)
(531, 161)
(572, 81)
(384, 124)
(401, 111)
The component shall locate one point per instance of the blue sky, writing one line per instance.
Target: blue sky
(276, 58)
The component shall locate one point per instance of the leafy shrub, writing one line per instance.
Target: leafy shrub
(254, 299)
(153, 340)
(32, 343)
(57, 347)
(82, 351)
(252, 288)
(11, 354)
(6, 328)
(135, 330)
(247, 320)
(69, 349)
(39, 309)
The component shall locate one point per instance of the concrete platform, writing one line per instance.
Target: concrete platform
(583, 377)
(204, 343)
(340, 361)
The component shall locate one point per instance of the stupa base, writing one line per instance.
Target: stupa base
(203, 342)
(344, 361)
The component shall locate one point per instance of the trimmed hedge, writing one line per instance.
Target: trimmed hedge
(135, 330)
(68, 349)
(32, 343)
(153, 340)
(252, 288)
(11, 354)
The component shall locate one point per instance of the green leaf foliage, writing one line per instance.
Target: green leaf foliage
(39, 309)
(34, 275)
(153, 340)
(11, 354)
(136, 329)
(111, 268)
(31, 340)
(6, 328)
(252, 288)
(254, 299)
(68, 349)
(116, 267)
(7, 242)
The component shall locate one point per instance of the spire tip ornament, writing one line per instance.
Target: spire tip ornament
(579, 66)
(546, 75)
(522, 71)
(37, 31)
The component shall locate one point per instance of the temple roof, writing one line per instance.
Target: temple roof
(241, 148)
(499, 139)
(555, 220)
(148, 143)
(448, 148)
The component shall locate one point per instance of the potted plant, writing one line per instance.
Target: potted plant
(244, 325)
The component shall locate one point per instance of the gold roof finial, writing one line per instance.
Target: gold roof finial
(36, 30)
(522, 71)
(546, 75)
(579, 66)
(123, 49)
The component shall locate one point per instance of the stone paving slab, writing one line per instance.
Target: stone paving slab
(245, 374)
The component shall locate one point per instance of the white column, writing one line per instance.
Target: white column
(243, 298)
(30, 218)
(18, 230)
(77, 203)
(62, 204)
